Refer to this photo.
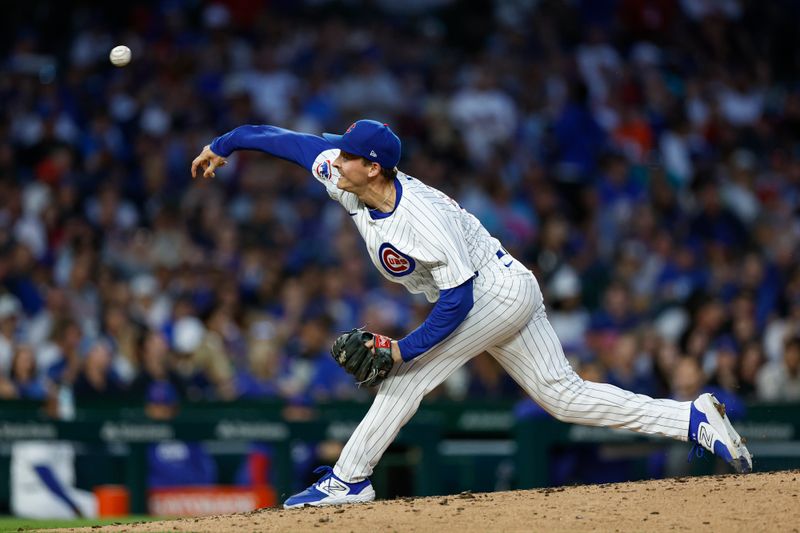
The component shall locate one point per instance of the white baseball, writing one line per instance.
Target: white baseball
(120, 55)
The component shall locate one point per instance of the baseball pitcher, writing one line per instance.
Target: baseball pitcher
(485, 300)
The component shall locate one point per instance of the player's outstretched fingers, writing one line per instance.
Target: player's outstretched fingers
(201, 162)
(209, 161)
(209, 171)
(213, 164)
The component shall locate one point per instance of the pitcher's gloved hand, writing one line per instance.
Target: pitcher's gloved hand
(369, 365)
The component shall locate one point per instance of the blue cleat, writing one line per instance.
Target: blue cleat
(710, 428)
(330, 490)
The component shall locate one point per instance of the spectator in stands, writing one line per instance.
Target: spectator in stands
(665, 359)
(579, 140)
(10, 311)
(615, 317)
(485, 114)
(627, 366)
(723, 362)
(150, 306)
(213, 357)
(154, 367)
(187, 337)
(706, 323)
(550, 251)
(780, 381)
(570, 320)
(122, 335)
(311, 374)
(97, 379)
(259, 379)
(681, 274)
(29, 384)
(687, 379)
(41, 325)
(82, 294)
(62, 355)
(221, 322)
(751, 360)
(713, 221)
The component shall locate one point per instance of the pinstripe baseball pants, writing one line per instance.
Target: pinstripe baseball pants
(508, 320)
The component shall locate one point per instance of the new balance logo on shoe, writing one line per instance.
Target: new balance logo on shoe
(705, 436)
(333, 486)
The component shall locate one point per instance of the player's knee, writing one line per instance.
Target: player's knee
(566, 386)
(570, 402)
(562, 412)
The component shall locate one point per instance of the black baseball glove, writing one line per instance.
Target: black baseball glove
(370, 366)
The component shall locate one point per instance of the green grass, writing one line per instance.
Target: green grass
(14, 524)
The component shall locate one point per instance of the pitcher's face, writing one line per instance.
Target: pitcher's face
(354, 174)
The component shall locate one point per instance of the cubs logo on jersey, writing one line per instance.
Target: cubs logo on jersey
(394, 261)
(323, 169)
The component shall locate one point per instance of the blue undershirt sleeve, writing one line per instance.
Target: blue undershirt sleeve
(449, 312)
(300, 148)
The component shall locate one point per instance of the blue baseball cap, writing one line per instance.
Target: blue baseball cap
(371, 140)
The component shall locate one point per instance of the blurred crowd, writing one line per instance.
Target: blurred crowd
(642, 157)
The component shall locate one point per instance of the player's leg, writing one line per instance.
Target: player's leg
(396, 401)
(492, 319)
(495, 316)
(535, 359)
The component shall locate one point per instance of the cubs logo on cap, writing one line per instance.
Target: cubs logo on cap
(394, 261)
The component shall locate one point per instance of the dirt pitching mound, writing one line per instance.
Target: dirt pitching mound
(730, 503)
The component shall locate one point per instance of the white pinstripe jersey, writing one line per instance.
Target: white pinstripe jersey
(428, 244)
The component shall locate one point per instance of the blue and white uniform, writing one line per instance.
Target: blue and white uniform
(485, 301)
